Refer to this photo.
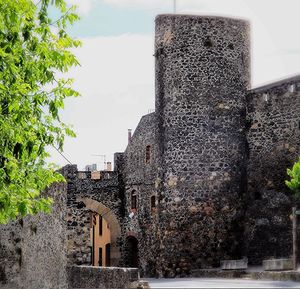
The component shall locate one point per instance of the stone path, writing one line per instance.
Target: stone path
(218, 283)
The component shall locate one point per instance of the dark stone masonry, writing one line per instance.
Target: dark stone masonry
(33, 251)
(202, 178)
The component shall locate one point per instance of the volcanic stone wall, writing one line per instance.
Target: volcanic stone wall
(33, 249)
(80, 186)
(202, 74)
(88, 277)
(140, 177)
(273, 116)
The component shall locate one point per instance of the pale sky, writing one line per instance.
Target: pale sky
(116, 76)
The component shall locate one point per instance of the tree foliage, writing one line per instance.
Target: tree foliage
(294, 182)
(34, 49)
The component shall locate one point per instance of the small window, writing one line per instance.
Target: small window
(100, 225)
(266, 97)
(148, 154)
(152, 201)
(133, 200)
(292, 88)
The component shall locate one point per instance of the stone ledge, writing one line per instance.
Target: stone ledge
(218, 273)
(278, 264)
(91, 277)
(234, 264)
(258, 275)
(275, 276)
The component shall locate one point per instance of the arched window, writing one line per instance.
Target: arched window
(148, 154)
(133, 200)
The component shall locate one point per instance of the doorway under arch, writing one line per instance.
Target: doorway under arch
(114, 227)
(132, 253)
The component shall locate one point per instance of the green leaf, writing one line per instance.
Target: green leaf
(31, 56)
(294, 182)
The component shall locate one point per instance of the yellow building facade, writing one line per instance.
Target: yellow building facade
(100, 241)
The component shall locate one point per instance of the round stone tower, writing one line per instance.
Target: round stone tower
(202, 75)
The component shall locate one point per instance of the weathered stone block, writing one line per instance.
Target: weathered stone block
(87, 277)
(278, 264)
(234, 264)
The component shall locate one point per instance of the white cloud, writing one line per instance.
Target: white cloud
(84, 6)
(275, 40)
(116, 79)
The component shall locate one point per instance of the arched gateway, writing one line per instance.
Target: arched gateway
(114, 227)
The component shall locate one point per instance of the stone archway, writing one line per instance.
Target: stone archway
(115, 229)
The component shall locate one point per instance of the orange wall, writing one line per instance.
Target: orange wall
(100, 241)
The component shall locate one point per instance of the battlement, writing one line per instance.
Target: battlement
(97, 175)
(291, 84)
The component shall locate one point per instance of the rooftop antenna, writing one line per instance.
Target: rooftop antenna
(174, 6)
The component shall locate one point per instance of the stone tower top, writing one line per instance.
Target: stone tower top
(213, 43)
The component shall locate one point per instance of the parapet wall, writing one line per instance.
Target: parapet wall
(141, 162)
(88, 277)
(273, 116)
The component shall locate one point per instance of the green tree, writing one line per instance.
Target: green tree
(294, 182)
(34, 49)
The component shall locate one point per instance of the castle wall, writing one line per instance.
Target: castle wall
(273, 116)
(33, 249)
(104, 191)
(140, 177)
(202, 74)
(214, 157)
(137, 170)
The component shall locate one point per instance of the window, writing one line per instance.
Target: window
(152, 201)
(93, 220)
(133, 200)
(107, 253)
(100, 257)
(100, 225)
(266, 97)
(292, 88)
(148, 154)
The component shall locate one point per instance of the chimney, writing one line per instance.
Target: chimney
(129, 135)
(108, 166)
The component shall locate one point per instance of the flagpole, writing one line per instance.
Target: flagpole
(174, 6)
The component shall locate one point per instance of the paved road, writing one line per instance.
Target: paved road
(219, 283)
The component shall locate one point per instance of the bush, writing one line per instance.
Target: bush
(294, 182)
